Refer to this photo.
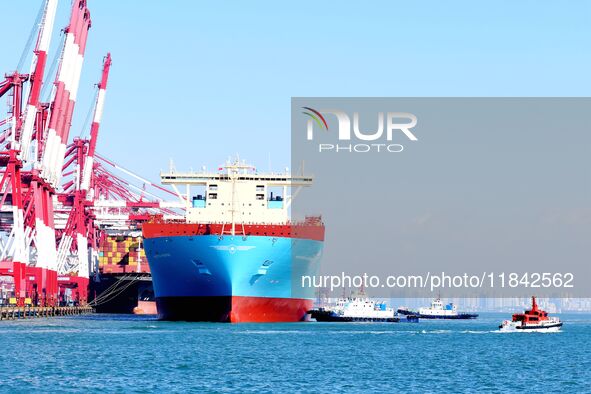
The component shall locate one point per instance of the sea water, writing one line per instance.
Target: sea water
(115, 353)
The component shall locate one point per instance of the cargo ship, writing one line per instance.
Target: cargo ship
(237, 256)
(534, 319)
(122, 283)
(438, 311)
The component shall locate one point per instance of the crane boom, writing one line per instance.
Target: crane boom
(36, 78)
(94, 129)
(67, 81)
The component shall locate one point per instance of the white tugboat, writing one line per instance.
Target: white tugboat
(358, 309)
(532, 320)
(438, 311)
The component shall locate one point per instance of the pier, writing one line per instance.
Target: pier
(31, 312)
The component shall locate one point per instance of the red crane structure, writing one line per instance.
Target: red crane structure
(57, 201)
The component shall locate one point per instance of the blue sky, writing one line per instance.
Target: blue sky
(198, 81)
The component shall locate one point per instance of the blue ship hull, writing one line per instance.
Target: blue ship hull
(232, 278)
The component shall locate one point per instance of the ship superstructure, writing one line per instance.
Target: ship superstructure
(235, 255)
(363, 308)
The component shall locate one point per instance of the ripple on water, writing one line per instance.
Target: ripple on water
(128, 354)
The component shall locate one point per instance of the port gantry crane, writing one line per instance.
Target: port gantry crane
(56, 199)
(27, 195)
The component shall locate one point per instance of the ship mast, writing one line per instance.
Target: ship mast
(233, 172)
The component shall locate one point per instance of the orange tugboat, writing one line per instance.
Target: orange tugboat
(532, 320)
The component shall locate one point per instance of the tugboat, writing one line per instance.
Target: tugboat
(532, 320)
(357, 309)
(438, 311)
